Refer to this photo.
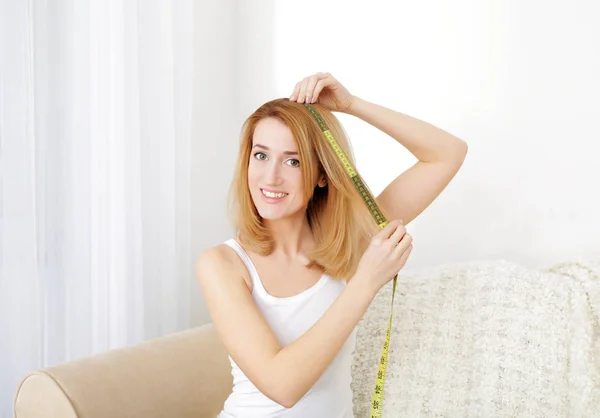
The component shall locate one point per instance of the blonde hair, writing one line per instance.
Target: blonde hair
(341, 224)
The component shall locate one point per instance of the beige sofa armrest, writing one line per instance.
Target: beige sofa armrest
(185, 374)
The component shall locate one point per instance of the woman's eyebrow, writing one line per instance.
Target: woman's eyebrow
(267, 148)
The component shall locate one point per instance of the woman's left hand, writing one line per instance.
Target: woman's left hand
(324, 89)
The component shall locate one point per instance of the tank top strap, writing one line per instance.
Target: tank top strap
(256, 283)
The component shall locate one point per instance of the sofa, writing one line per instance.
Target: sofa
(182, 375)
(473, 339)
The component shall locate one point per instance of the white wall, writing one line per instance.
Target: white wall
(215, 127)
(517, 80)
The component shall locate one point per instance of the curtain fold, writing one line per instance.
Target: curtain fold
(95, 137)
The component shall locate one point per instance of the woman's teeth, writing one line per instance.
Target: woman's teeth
(274, 195)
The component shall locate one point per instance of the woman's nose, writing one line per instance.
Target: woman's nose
(273, 175)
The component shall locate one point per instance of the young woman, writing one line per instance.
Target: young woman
(286, 294)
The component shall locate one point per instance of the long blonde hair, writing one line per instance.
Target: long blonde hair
(339, 220)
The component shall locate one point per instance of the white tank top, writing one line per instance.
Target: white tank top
(289, 318)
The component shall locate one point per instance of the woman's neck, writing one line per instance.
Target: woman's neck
(293, 237)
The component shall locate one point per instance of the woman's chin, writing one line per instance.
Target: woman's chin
(270, 216)
(276, 215)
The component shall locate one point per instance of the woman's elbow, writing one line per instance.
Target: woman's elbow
(284, 396)
(285, 399)
(288, 403)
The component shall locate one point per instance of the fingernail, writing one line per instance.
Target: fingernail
(307, 99)
(293, 98)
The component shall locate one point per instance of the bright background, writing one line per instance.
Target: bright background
(120, 119)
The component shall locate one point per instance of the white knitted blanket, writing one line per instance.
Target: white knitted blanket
(485, 339)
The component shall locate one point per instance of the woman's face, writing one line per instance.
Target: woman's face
(274, 173)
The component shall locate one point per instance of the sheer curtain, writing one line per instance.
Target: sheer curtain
(95, 129)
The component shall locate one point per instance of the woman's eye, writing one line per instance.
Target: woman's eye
(260, 155)
(294, 163)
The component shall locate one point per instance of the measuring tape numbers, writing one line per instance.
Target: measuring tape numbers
(377, 398)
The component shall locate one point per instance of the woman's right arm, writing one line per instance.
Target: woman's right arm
(286, 374)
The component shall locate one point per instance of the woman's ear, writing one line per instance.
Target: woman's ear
(322, 181)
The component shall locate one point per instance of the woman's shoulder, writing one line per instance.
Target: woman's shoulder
(217, 254)
(221, 260)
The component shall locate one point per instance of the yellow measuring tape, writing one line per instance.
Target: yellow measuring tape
(377, 399)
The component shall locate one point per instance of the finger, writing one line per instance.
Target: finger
(389, 229)
(398, 234)
(310, 88)
(384, 234)
(295, 93)
(302, 92)
(321, 84)
(403, 245)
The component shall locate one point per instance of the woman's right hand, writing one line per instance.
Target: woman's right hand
(385, 256)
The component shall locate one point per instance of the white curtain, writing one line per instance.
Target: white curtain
(95, 129)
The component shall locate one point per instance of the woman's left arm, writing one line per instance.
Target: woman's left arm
(440, 156)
